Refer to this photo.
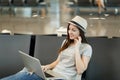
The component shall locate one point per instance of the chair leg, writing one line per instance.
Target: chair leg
(0, 10)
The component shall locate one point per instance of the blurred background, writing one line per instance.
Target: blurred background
(43, 19)
(49, 16)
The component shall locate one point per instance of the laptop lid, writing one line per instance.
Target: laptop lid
(32, 64)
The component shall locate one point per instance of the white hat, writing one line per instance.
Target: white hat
(80, 22)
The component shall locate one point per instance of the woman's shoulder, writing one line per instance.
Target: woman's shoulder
(86, 46)
(87, 49)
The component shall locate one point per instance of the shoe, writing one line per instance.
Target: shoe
(99, 14)
(105, 9)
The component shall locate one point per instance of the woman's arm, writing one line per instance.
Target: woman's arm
(50, 66)
(81, 60)
(53, 64)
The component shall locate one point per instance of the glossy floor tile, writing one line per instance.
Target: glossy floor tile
(29, 21)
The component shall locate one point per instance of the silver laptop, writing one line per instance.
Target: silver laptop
(33, 65)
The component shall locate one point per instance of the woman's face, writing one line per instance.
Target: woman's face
(73, 32)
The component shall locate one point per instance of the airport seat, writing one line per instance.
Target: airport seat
(103, 65)
(31, 3)
(10, 61)
(18, 3)
(104, 62)
(80, 3)
(38, 4)
(46, 48)
(76, 6)
(113, 3)
(4, 4)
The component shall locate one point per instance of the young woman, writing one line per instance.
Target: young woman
(74, 55)
(101, 5)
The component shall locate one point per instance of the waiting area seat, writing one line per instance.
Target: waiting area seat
(41, 5)
(79, 3)
(104, 62)
(113, 3)
(12, 4)
(77, 6)
(46, 48)
(4, 4)
(18, 2)
(10, 61)
(33, 2)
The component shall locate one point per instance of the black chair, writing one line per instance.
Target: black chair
(18, 3)
(4, 33)
(42, 3)
(101, 66)
(114, 47)
(83, 75)
(81, 3)
(84, 3)
(5, 3)
(77, 5)
(32, 3)
(46, 48)
(10, 61)
(113, 3)
(36, 3)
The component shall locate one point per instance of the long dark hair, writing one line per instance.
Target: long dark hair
(68, 41)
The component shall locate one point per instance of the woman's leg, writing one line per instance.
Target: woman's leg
(103, 5)
(99, 6)
(22, 75)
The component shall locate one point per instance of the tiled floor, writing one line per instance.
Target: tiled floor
(27, 22)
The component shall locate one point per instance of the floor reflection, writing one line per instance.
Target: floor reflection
(31, 21)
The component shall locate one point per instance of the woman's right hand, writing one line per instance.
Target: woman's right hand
(45, 67)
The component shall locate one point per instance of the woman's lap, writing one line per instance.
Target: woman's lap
(23, 75)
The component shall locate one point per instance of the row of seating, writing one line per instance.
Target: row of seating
(10, 62)
(22, 3)
(104, 62)
(103, 65)
(90, 3)
(112, 5)
(12, 4)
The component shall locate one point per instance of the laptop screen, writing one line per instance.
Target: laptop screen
(32, 64)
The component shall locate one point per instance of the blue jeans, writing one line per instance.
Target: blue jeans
(23, 75)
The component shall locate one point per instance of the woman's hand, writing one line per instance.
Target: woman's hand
(77, 41)
(45, 67)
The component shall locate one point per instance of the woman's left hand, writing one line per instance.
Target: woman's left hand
(77, 41)
(45, 68)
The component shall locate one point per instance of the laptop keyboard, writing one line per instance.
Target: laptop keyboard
(48, 75)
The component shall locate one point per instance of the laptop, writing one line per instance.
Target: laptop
(33, 65)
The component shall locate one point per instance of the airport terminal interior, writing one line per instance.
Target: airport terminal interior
(41, 20)
(55, 14)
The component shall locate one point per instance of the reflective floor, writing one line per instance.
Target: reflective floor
(27, 20)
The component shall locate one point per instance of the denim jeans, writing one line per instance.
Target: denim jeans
(23, 75)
